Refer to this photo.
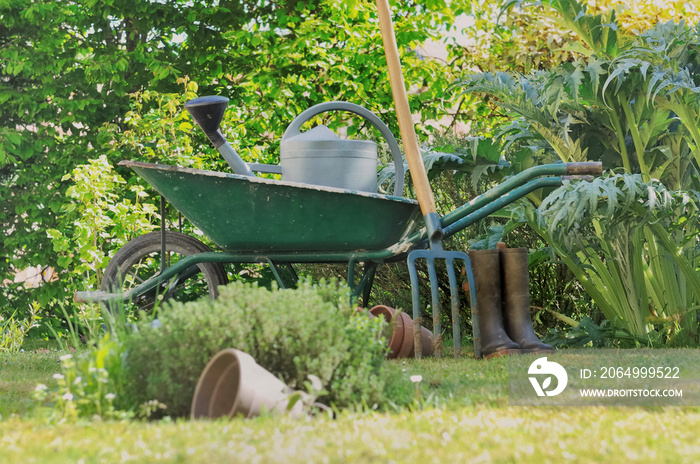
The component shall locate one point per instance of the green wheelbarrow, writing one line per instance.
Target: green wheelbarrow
(281, 223)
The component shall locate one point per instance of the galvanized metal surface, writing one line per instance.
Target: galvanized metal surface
(288, 147)
(320, 157)
(242, 213)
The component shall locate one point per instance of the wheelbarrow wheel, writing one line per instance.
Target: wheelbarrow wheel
(140, 259)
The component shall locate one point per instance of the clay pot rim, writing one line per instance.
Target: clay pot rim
(382, 310)
(205, 380)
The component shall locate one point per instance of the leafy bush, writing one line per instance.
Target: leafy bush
(293, 333)
(97, 218)
(639, 245)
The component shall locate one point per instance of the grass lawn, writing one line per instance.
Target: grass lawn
(20, 373)
(464, 417)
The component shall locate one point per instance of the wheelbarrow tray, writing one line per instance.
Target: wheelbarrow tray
(241, 213)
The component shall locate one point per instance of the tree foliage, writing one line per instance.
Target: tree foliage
(70, 71)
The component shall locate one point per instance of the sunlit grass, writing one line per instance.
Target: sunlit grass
(462, 416)
(467, 434)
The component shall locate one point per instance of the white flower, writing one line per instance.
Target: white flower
(68, 397)
(110, 396)
(41, 387)
(65, 357)
(58, 376)
(416, 378)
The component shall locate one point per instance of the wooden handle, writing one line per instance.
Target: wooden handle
(593, 168)
(403, 112)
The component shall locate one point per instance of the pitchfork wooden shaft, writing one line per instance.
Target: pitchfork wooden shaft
(406, 127)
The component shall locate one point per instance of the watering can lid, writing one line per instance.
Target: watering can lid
(319, 133)
(323, 134)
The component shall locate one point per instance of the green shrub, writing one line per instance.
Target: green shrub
(293, 333)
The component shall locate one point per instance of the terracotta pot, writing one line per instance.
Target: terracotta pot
(405, 323)
(401, 342)
(232, 383)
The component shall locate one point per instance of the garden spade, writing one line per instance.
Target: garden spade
(435, 251)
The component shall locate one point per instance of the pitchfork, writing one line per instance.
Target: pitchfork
(427, 204)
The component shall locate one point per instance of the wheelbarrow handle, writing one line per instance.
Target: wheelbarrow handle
(592, 168)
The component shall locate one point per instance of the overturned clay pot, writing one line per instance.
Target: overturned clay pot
(233, 384)
(401, 342)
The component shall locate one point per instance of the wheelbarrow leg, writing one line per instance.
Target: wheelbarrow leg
(163, 231)
(364, 286)
(284, 273)
(370, 271)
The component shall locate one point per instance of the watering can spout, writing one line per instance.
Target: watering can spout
(208, 112)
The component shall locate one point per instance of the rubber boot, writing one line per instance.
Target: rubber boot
(487, 277)
(516, 301)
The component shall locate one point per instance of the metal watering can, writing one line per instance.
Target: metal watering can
(318, 156)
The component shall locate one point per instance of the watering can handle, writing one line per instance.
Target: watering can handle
(296, 124)
(408, 131)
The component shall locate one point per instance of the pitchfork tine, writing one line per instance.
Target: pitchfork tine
(454, 302)
(436, 252)
(437, 309)
(415, 296)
